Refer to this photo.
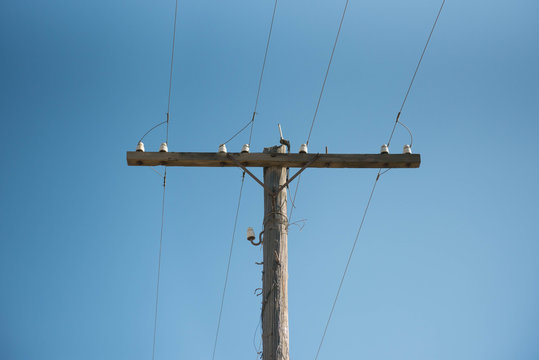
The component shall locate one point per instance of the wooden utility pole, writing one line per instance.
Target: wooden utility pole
(275, 274)
(275, 161)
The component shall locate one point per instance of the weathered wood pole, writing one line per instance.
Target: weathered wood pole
(275, 337)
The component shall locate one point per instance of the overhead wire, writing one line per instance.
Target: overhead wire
(319, 100)
(164, 181)
(380, 172)
(347, 265)
(262, 71)
(327, 72)
(159, 262)
(157, 172)
(228, 267)
(147, 132)
(238, 132)
(415, 72)
(251, 122)
(167, 121)
(409, 132)
(171, 66)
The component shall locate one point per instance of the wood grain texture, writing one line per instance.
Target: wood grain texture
(274, 159)
(275, 334)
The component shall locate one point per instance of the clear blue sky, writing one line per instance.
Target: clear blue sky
(446, 266)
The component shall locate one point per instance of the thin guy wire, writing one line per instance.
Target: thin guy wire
(159, 262)
(262, 71)
(327, 72)
(228, 267)
(348, 263)
(415, 72)
(171, 65)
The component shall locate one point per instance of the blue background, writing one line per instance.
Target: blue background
(446, 266)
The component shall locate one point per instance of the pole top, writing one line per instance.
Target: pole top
(279, 149)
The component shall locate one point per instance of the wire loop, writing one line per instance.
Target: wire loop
(149, 131)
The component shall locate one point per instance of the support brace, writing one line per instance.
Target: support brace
(273, 193)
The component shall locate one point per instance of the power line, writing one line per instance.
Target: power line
(347, 264)
(238, 132)
(228, 267)
(159, 262)
(327, 72)
(262, 71)
(415, 72)
(373, 188)
(164, 184)
(171, 65)
(252, 121)
(319, 99)
(156, 126)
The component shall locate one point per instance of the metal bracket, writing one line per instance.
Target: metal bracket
(296, 174)
(271, 192)
(249, 173)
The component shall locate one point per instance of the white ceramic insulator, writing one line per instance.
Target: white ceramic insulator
(222, 148)
(407, 149)
(245, 148)
(163, 147)
(250, 234)
(140, 146)
(384, 149)
(303, 149)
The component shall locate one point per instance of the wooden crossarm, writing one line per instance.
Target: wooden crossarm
(135, 158)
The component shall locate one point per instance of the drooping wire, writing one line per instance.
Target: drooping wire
(167, 121)
(238, 132)
(228, 267)
(262, 71)
(327, 72)
(159, 262)
(293, 200)
(409, 132)
(380, 172)
(164, 182)
(257, 347)
(415, 72)
(319, 99)
(252, 121)
(149, 131)
(157, 172)
(171, 66)
(347, 264)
